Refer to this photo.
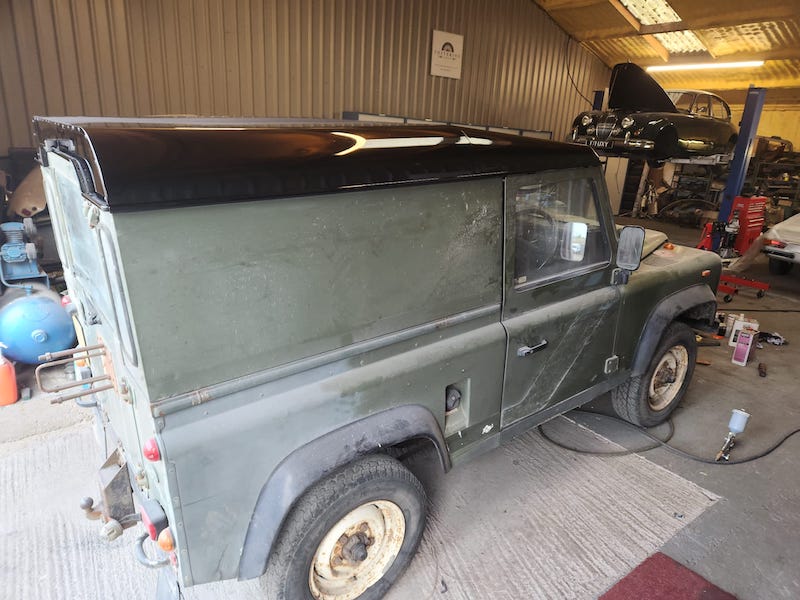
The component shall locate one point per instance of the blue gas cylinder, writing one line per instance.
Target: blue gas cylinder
(34, 324)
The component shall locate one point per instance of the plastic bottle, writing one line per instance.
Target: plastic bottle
(8, 382)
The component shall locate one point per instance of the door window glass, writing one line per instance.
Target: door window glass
(681, 100)
(701, 106)
(558, 231)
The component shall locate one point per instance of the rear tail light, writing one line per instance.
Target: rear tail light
(776, 244)
(154, 518)
(151, 451)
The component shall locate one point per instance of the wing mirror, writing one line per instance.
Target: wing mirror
(631, 244)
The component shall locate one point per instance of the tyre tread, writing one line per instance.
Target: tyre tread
(629, 398)
(318, 497)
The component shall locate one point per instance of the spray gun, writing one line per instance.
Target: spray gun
(735, 426)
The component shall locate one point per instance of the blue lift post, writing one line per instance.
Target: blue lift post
(741, 155)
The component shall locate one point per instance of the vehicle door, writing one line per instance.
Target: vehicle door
(560, 309)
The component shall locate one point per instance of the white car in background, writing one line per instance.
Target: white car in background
(782, 245)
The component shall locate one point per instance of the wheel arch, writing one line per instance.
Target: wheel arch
(311, 462)
(695, 306)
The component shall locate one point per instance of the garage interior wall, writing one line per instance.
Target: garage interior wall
(299, 58)
(782, 121)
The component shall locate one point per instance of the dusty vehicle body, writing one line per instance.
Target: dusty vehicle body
(278, 303)
(645, 121)
(782, 245)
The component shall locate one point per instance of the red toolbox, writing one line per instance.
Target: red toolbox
(751, 214)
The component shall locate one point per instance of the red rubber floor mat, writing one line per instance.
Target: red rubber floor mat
(661, 578)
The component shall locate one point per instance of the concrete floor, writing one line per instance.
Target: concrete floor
(746, 542)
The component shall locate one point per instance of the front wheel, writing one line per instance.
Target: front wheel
(649, 399)
(350, 536)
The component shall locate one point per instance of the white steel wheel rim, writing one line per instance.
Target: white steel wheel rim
(668, 377)
(357, 551)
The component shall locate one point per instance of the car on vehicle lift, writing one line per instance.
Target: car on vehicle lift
(645, 121)
(274, 312)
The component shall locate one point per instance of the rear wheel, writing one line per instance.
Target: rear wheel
(350, 536)
(650, 398)
(779, 267)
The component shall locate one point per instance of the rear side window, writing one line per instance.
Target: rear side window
(558, 231)
(718, 109)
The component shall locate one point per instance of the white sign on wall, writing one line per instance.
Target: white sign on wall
(446, 54)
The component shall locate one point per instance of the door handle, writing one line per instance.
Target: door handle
(527, 350)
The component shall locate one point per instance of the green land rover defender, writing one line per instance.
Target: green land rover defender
(270, 313)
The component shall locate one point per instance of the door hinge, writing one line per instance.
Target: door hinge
(612, 364)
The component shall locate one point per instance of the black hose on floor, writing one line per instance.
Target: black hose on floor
(659, 443)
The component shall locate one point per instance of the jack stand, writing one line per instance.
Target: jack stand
(736, 283)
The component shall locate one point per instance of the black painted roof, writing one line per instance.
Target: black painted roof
(141, 164)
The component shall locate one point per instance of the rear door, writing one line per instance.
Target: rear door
(560, 309)
(92, 274)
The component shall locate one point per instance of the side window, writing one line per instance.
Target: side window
(558, 231)
(701, 106)
(718, 109)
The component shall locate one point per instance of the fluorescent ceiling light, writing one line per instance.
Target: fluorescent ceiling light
(698, 66)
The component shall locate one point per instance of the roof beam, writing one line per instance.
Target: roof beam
(637, 26)
(724, 20)
(778, 54)
(776, 96)
(657, 46)
(626, 14)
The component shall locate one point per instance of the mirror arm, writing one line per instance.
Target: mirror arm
(620, 276)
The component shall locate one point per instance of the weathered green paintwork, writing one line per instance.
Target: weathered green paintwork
(279, 281)
(258, 327)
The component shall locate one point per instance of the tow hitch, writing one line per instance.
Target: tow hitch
(116, 508)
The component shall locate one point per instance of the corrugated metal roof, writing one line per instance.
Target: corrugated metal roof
(753, 38)
(730, 30)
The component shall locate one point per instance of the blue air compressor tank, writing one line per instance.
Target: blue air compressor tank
(34, 323)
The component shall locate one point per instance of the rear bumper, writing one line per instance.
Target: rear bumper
(783, 254)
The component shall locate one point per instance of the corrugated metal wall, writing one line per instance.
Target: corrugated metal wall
(312, 58)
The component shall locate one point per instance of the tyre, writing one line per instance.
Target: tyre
(649, 399)
(350, 536)
(779, 267)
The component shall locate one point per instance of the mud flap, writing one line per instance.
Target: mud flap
(167, 588)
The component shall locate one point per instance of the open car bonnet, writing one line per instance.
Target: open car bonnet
(631, 88)
(788, 230)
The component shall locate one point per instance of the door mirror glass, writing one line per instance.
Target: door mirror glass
(574, 241)
(631, 243)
